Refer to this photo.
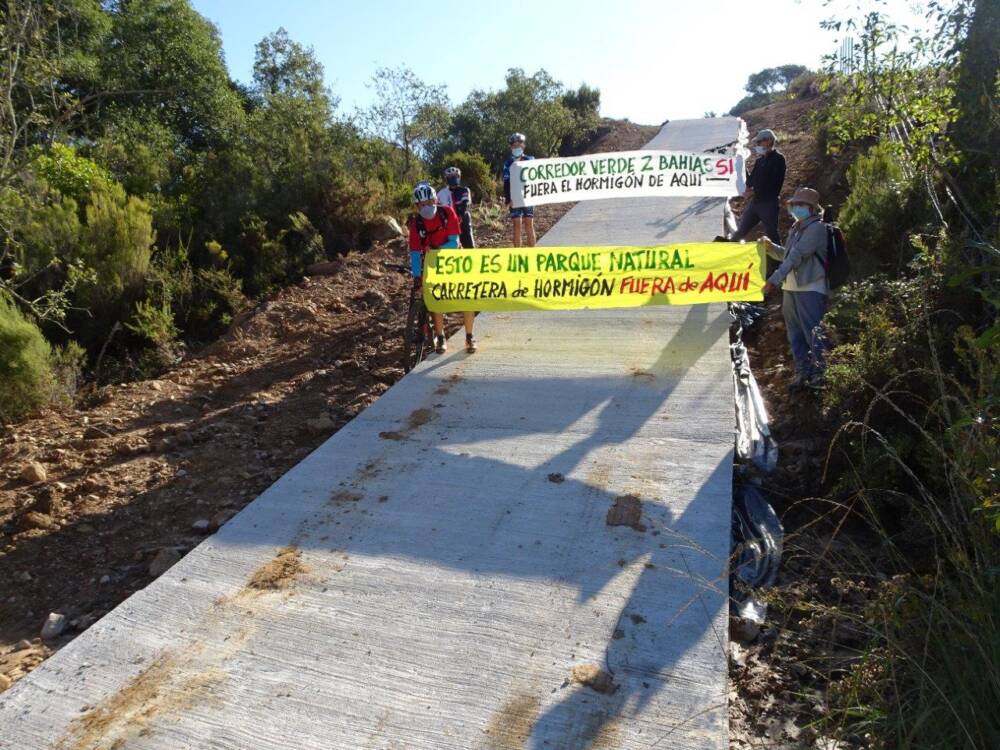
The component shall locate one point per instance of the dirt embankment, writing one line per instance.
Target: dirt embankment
(781, 683)
(99, 499)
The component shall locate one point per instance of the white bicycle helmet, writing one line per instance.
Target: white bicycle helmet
(516, 137)
(423, 192)
(452, 172)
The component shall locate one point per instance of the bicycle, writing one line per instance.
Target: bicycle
(417, 335)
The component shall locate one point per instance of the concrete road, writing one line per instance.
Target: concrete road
(442, 573)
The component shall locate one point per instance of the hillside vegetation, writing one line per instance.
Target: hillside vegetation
(146, 197)
(886, 628)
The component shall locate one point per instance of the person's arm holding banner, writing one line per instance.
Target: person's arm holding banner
(810, 243)
(416, 251)
(506, 180)
(453, 229)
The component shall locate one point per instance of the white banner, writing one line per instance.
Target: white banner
(630, 174)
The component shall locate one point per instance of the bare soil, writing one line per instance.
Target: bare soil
(627, 511)
(279, 572)
(806, 165)
(781, 682)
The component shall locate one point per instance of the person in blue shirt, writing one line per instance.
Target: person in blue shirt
(524, 217)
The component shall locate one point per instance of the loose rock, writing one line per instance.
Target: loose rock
(626, 511)
(95, 433)
(326, 268)
(320, 425)
(35, 520)
(165, 559)
(375, 298)
(593, 677)
(385, 228)
(202, 525)
(220, 519)
(54, 626)
(34, 472)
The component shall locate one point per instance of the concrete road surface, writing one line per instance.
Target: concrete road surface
(441, 573)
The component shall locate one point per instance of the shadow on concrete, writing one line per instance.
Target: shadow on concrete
(468, 530)
(669, 225)
(521, 538)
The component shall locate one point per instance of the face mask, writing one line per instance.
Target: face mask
(759, 150)
(799, 212)
(453, 181)
(517, 152)
(428, 212)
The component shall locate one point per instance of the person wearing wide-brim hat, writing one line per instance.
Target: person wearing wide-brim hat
(766, 180)
(802, 278)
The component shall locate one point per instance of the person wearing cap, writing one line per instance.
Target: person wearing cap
(766, 179)
(802, 278)
(526, 214)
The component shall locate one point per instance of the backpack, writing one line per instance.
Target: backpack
(442, 217)
(836, 264)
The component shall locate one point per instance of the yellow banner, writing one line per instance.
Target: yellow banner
(568, 278)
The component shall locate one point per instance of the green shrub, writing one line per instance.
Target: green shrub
(203, 300)
(491, 215)
(754, 101)
(153, 321)
(260, 260)
(72, 175)
(118, 242)
(214, 300)
(475, 174)
(883, 209)
(26, 378)
(805, 85)
(68, 364)
(44, 238)
(305, 245)
(874, 323)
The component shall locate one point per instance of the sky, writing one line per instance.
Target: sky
(653, 60)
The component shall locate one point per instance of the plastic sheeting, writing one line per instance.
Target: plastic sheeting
(754, 443)
(757, 531)
(757, 546)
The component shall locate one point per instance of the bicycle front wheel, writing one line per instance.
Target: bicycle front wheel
(414, 336)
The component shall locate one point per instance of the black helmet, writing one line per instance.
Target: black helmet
(516, 138)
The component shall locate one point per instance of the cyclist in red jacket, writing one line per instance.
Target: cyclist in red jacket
(435, 227)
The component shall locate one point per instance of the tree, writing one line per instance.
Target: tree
(771, 80)
(976, 133)
(283, 66)
(408, 113)
(766, 86)
(162, 57)
(535, 105)
(42, 44)
(584, 105)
